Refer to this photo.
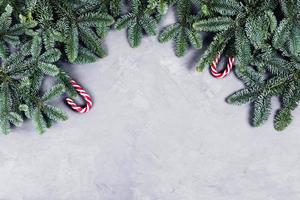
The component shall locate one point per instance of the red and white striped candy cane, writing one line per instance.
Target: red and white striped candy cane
(214, 65)
(86, 97)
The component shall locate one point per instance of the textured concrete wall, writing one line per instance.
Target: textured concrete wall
(158, 131)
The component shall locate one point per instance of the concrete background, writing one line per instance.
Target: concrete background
(158, 131)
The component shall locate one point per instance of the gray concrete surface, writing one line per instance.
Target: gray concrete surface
(158, 131)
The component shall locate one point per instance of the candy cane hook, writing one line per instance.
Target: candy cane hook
(86, 97)
(214, 65)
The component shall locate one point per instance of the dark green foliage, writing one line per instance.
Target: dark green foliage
(38, 36)
(9, 32)
(22, 74)
(34, 37)
(266, 45)
(248, 24)
(23, 68)
(182, 32)
(283, 82)
(140, 19)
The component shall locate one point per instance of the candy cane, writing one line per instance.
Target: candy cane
(214, 65)
(86, 97)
